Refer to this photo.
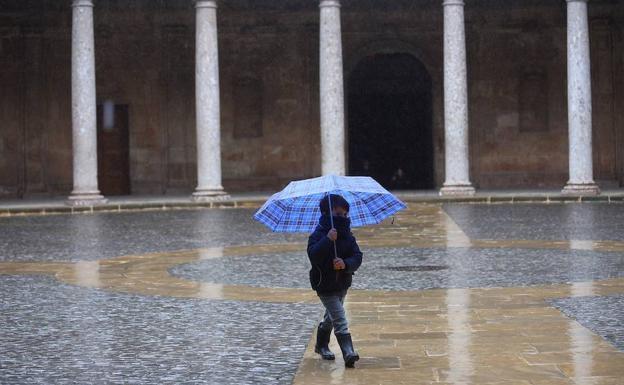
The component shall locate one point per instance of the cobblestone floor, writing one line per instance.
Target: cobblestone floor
(603, 315)
(59, 334)
(546, 221)
(453, 294)
(104, 235)
(419, 268)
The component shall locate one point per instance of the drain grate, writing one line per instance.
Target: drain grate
(417, 268)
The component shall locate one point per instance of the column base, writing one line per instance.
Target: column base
(581, 189)
(457, 190)
(90, 198)
(209, 195)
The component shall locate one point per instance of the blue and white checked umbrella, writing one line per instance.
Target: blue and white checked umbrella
(296, 208)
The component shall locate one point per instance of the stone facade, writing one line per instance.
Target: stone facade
(269, 87)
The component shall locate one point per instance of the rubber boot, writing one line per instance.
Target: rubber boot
(346, 345)
(322, 344)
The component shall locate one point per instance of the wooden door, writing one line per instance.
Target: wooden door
(113, 151)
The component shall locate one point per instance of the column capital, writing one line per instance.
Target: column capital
(82, 3)
(329, 3)
(205, 4)
(447, 3)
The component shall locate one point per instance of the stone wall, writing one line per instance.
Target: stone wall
(517, 80)
(269, 88)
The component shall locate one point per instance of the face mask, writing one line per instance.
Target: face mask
(343, 225)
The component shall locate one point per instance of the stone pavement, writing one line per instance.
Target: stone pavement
(57, 205)
(448, 294)
(58, 334)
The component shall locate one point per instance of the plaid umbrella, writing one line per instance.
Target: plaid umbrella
(296, 208)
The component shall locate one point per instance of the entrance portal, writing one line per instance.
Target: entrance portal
(113, 149)
(390, 121)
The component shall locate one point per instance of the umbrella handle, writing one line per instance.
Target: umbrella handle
(335, 257)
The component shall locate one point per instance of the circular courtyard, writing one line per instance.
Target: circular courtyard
(210, 296)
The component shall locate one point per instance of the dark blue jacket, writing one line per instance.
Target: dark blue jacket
(323, 278)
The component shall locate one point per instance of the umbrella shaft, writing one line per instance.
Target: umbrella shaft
(331, 220)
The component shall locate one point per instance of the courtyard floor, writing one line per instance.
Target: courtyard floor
(449, 293)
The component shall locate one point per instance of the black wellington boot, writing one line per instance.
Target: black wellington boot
(346, 345)
(322, 344)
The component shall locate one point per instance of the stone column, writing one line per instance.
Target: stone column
(207, 103)
(332, 90)
(579, 103)
(84, 129)
(457, 180)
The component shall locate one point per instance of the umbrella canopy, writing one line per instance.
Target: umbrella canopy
(296, 208)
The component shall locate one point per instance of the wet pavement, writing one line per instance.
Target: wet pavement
(597, 221)
(447, 294)
(602, 315)
(59, 334)
(418, 268)
(105, 235)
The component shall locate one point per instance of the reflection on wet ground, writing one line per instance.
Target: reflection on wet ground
(472, 336)
(106, 235)
(603, 315)
(513, 294)
(542, 221)
(398, 268)
(56, 333)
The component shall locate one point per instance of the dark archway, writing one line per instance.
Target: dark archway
(390, 121)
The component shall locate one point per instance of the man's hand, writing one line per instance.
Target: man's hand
(339, 264)
(332, 235)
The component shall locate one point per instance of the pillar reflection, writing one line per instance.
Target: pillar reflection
(87, 273)
(581, 338)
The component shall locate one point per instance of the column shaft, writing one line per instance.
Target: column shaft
(457, 180)
(579, 102)
(207, 103)
(84, 129)
(331, 90)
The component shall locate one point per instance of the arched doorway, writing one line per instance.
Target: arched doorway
(390, 121)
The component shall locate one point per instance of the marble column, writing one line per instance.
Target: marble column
(457, 180)
(332, 90)
(84, 129)
(579, 103)
(207, 103)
